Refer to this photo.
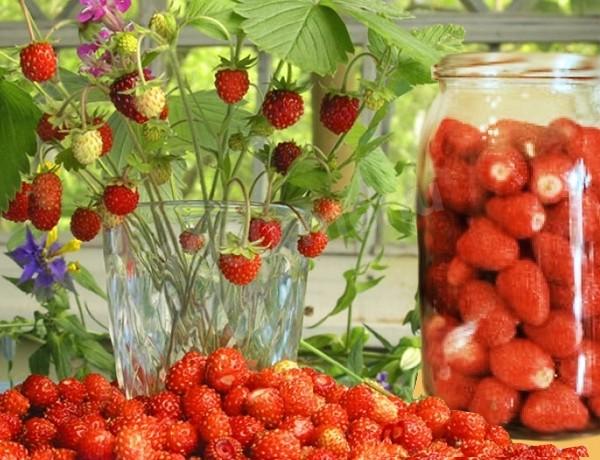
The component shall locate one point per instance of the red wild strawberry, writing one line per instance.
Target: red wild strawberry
(71, 431)
(266, 405)
(106, 134)
(18, 207)
(358, 402)
(182, 438)
(239, 269)
(235, 400)
(132, 442)
(502, 171)
(124, 100)
(49, 132)
(363, 430)
(521, 215)
(213, 424)
(555, 409)
(339, 112)
(120, 199)
(532, 140)
(454, 388)
(457, 187)
(72, 390)
(38, 61)
(85, 224)
(553, 255)
(191, 242)
(232, 84)
(560, 335)
(186, 373)
(297, 393)
(198, 400)
(97, 387)
(565, 129)
(225, 368)
(331, 414)
(584, 145)
(245, 429)
(276, 445)
(312, 244)
(560, 219)
(435, 328)
(509, 366)
(463, 352)
(575, 452)
(498, 435)
(13, 402)
(480, 448)
(581, 371)
(96, 444)
(266, 232)
(60, 411)
(478, 298)
(319, 454)
(525, 289)
(412, 433)
(40, 390)
(498, 403)
(13, 451)
(38, 432)
(441, 230)
(549, 177)
(300, 426)
(466, 425)
(284, 155)
(440, 294)
(45, 201)
(282, 108)
(165, 405)
(333, 439)
(225, 448)
(10, 426)
(484, 245)
(455, 138)
(327, 209)
(435, 413)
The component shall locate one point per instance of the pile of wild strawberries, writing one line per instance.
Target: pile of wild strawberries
(215, 408)
(512, 280)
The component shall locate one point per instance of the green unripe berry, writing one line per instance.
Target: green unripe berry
(164, 24)
(161, 172)
(237, 142)
(126, 43)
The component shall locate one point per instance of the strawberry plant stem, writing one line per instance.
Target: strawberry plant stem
(351, 64)
(358, 264)
(28, 20)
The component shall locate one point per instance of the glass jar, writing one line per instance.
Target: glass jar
(509, 240)
(164, 302)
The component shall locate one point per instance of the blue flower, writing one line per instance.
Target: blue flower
(383, 379)
(42, 264)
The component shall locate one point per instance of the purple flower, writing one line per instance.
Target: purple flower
(383, 379)
(107, 11)
(42, 265)
(94, 64)
(87, 50)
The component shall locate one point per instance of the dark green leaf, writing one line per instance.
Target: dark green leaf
(149, 58)
(97, 356)
(86, 280)
(61, 355)
(402, 220)
(123, 144)
(377, 171)
(26, 287)
(68, 161)
(304, 32)
(414, 319)
(39, 361)
(309, 175)
(71, 324)
(17, 138)
(367, 148)
(363, 286)
(386, 344)
(355, 358)
(322, 341)
(347, 224)
(446, 38)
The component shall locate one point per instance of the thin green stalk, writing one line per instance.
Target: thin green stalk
(190, 117)
(358, 264)
(28, 20)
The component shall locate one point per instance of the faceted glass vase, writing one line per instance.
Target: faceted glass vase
(164, 302)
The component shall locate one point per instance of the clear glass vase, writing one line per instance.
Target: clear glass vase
(164, 302)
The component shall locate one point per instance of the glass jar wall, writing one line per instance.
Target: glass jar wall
(509, 236)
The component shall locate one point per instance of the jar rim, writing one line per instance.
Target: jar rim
(567, 66)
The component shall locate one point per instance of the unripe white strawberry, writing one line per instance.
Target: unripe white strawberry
(151, 102)
(109, 220)
(87, 146)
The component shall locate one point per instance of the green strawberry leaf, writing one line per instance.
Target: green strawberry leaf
(17, 138)
(218, 10)
(68, 161)
(377, 171)
(307, 33)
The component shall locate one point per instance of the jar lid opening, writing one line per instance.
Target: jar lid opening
(517, 65)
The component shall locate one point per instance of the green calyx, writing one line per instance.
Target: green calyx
(260, 126)
(237, 64)
(236, 247)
